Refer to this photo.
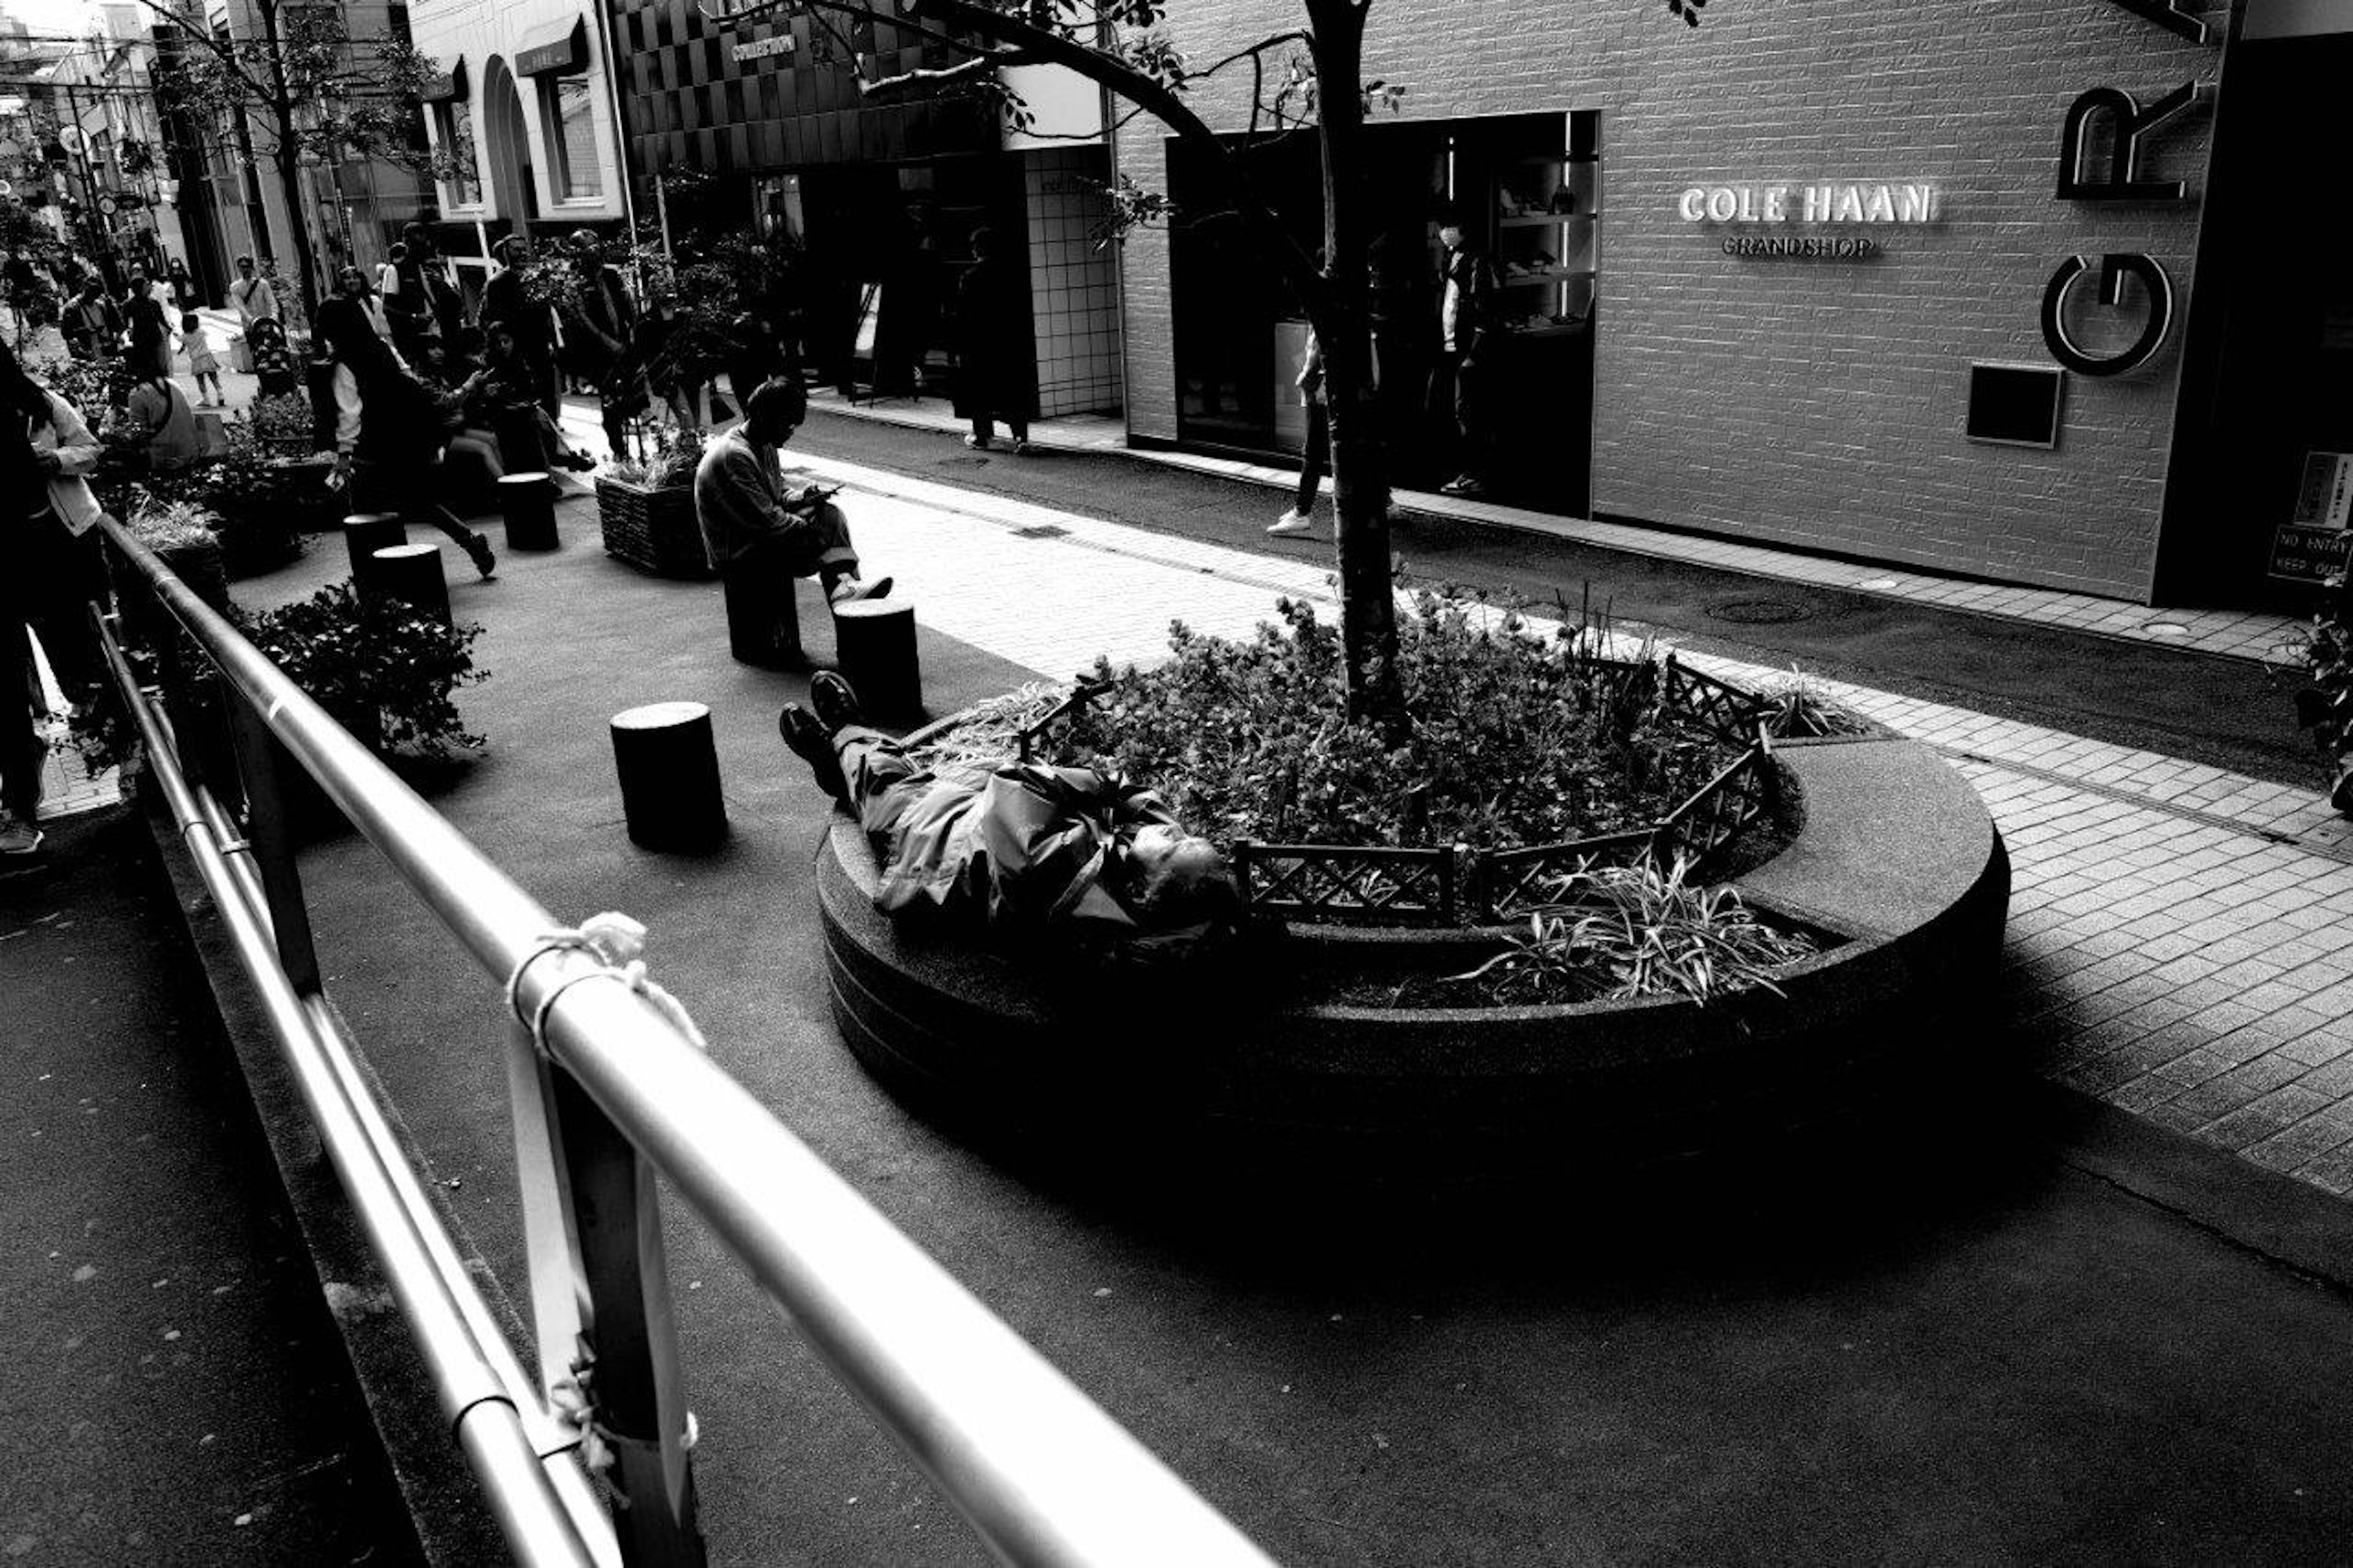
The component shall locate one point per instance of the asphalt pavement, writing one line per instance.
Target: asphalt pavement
(175, 1390)
(1993, 1331)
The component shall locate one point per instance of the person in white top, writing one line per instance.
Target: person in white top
(253, 297)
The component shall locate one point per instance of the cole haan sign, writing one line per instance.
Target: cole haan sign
(1793, 201)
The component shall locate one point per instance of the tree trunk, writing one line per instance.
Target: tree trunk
(1342, 322)
(288, 160)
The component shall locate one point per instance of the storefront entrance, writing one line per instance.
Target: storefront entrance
(2266, 432)
(505, 128)
(1523, 188)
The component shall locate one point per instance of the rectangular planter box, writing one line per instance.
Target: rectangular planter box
(652, 530)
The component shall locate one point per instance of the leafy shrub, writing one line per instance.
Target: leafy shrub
(1512, 739)
(2324, 705)
(1634, 931)
(283, 419)
(351, 657)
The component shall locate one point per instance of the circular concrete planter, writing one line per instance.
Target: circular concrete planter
(1897, 863)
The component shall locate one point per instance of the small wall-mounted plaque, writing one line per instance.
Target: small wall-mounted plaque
(2015, 404)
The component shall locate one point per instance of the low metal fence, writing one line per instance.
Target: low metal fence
(612, 1097)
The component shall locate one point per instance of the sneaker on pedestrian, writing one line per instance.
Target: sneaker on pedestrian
(1293, 521)
(1464, 485)
(849, 590)
(17, 836)
(978, 442)
(1022, 447)
(478, 550)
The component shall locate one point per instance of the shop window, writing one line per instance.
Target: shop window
(453, 127)
(566, 106)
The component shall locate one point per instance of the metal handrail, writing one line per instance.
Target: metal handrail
(1043, 1475)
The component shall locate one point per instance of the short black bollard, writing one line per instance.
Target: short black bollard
(365, 533)
(875, 641)
(528, 503)
(412, 574)
(669, 765)
(763, 621)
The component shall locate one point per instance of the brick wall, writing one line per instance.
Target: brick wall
(1812, 403)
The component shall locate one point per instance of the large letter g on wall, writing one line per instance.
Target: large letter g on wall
(2113, 269)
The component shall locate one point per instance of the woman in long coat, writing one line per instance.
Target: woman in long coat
(995, 357)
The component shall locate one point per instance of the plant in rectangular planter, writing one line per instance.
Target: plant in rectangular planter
(645, 506)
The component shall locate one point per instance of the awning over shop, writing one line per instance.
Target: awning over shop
(559, 48)
(448, 89)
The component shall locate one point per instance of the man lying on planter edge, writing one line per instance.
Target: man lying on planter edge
(1020, 849)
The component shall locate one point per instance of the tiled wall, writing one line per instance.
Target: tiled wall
(1073, 286)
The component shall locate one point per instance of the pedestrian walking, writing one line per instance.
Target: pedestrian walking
(993, 357)
(53, 573)
(181, 287)
(597, 335)
(203, 363)
(251, 296)
(1318, 458)
(390, 430)
(148, 328)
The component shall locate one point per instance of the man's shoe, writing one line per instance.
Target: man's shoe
(805, 734)
(836, 702)
(976, 443)
(17, 836)
(1462, 484)
(849, 590)
(478, 550)
(1290, 523)
(1022, 447)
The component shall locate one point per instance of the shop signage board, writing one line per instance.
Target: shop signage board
(2308, 554)
(2312, 545)
(764, 48)
(1779, 203)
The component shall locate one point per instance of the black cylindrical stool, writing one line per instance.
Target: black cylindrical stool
(528, 503)
(412, 574)
(875, 641)
(365, 533)
(669, 765)
(763, 623)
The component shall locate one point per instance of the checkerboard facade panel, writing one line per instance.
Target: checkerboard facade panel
(691, 103)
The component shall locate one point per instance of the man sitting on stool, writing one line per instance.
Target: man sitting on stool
(1020, 849)
(752, 522)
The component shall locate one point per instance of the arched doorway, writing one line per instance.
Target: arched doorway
(509, 146)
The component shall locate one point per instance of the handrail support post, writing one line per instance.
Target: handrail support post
(271, 838)
(636, 1387)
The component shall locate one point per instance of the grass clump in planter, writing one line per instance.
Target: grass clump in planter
(1619, 933)
(1512, 739)
(1799, 706)
(165, 524)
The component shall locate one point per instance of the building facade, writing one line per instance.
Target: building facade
(1926, 285)
(524, 122)
(764, 125)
